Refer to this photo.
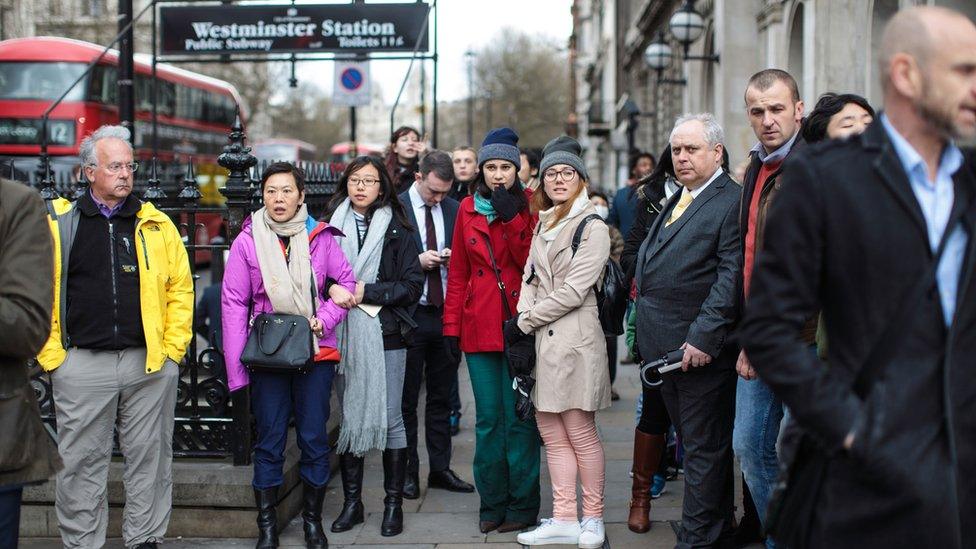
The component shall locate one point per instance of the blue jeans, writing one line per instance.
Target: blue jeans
(9, 515)
(758, 413)
(274, 399)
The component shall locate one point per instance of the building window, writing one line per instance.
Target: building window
(883, 11)
(795, 61)
(93, 8)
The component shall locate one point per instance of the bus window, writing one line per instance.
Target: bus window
(189, 102)
(40, 80)
(167, 97)
(104, 85)
(143, 93)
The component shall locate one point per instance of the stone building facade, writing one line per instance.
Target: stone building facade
(828, 45)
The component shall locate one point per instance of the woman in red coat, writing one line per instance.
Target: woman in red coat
(495, 222)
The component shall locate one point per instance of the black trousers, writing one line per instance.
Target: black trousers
(701, 402)
(427, 358)
(9, 515)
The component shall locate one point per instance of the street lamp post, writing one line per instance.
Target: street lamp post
(687, 26)
(469, 55)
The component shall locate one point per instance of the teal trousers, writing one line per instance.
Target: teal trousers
(506, 455)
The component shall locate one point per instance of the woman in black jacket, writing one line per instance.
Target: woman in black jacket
(403, 157)
(373, 338)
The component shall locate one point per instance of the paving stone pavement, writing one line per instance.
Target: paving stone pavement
(448, 520)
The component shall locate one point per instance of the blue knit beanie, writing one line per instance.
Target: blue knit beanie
(500, 144)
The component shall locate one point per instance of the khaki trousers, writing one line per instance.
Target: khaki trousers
(96, 392)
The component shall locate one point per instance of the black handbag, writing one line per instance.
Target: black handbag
(804, 460)
(280, 343)
(522, 383)
(611, 295)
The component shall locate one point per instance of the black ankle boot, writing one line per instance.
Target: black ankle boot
(394, 471)
(351, 468)
(749, 530)
(312, 499)
(267, 503)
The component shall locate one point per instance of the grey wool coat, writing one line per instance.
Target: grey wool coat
(559, 304)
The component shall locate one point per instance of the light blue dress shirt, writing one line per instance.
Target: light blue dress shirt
(935, 199)
(779, 154)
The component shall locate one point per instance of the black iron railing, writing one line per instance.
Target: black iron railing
(210, 420)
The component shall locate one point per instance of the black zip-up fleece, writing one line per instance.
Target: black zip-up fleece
(104, 308)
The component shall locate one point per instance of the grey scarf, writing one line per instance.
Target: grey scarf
(362, 367)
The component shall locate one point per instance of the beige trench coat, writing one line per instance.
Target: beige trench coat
(559, 305)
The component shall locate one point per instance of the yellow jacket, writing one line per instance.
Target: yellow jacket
(165, 285)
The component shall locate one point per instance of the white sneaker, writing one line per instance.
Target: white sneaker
(552, 531)
(592, 534)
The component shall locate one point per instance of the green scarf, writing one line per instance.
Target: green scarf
(483, 205)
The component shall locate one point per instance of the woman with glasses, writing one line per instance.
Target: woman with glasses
(492, 235)
(558, 310)
(373, 339)
(281, 258)
(403, 157)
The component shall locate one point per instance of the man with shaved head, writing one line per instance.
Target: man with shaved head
(878, 233)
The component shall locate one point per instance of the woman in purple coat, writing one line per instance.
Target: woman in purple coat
(279, 254)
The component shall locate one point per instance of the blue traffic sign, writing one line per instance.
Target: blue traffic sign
(351, 79)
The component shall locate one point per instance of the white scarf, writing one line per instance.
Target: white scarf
(582, 199)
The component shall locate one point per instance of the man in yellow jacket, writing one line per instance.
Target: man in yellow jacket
(123, 310)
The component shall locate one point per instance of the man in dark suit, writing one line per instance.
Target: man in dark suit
(855, 233)
(432, 213)
(686, 298)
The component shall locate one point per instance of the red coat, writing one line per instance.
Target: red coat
(472, 306)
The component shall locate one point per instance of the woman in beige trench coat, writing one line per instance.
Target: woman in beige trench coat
(558, 304)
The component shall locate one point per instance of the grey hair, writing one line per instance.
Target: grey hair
(714, 135)
(87, 148)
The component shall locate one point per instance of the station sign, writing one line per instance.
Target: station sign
(289, 28)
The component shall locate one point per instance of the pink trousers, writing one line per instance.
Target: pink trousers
(573, 446)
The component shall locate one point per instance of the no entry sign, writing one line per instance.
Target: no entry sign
(351, 86)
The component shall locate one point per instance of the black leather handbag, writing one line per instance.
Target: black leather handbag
(280, 343)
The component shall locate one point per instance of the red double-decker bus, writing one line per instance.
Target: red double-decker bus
(194, 115)
(195, 112)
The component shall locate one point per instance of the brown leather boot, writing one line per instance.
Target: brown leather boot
(647, 456)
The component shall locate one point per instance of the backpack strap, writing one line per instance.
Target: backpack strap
(578, 235)
(50, 209)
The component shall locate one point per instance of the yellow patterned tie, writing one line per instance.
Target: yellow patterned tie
(681, 206)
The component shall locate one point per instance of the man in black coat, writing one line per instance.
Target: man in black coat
(432, 214)
(686, 298)
(854, 233)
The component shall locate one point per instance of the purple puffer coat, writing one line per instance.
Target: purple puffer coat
(243, 285)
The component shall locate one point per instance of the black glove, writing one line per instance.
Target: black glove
(521, 357)
(453, 349)
(511, 330)
(506, 205)
(524, 409)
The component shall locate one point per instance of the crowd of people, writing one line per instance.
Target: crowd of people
(818, 312)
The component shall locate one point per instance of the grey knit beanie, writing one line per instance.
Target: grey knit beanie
(563, 150)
